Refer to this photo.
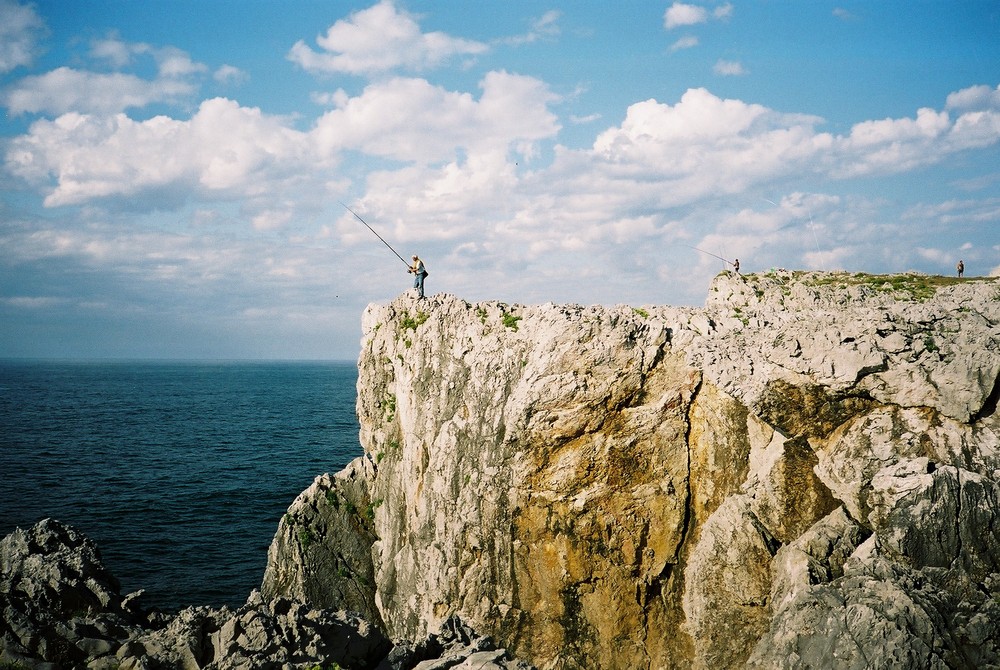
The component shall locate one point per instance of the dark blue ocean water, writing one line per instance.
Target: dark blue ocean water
(179, 471)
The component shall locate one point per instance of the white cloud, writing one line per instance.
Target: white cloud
(975, 98)
(545, 27)
(412, 120)
(115, 51)
(380, 39)
(174, 63)
(723, 11)
(897, 145)
(684, 43)
(20, 29)
(728, 68)
(682, 14)
(67, 90)
(230, 74)
(224, 149)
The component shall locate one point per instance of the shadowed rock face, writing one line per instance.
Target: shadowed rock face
(806, 467)
(61, 609)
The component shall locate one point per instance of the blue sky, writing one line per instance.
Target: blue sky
(171, 172)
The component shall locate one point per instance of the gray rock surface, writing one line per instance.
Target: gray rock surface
(62, 609)
(803, 473)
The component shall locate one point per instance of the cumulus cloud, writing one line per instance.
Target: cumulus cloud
(223, 149)
(68, 89)
(64, 89)
(413, 120)
(20, 30)
(975, 98)
(889, 146)
(380, 39)
(683, 14)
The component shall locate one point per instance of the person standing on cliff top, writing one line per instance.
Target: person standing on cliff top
(736, 265)
(419, 272)
(961, 269)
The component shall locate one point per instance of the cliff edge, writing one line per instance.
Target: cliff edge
(805, 469)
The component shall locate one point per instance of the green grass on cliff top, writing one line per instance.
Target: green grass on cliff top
(919, 286)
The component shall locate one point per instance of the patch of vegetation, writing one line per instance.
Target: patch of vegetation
(306, 538)
(738, 313)
(408, 322)
(372, 506)
(350, 507)
(389, 407)
(918, 287)
(510, 321)
(930, 344)
(482, 314)
(641, 312)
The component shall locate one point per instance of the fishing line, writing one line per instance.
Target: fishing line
(376, 234)
(724, 260)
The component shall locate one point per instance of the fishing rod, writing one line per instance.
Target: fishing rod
(376, 234)
(724, 260)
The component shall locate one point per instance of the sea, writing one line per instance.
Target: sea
(179, 471)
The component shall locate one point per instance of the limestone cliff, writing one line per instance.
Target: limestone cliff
(805, 469)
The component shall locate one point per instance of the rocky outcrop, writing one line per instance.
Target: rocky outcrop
(62, 609)
(806, 469)
(303, 566)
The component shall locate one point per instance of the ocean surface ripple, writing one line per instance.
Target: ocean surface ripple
(180, 471)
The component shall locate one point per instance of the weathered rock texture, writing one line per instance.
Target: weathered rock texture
(62, 609)
(804, 473)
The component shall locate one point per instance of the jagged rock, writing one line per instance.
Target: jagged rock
(62, 610)
(804, 467)
(260, 634)
(454, 646)
(59, 603)
(333, 507)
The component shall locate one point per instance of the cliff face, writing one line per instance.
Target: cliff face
(806, 468)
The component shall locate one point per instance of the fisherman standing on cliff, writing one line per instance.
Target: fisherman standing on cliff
(419, 272)
(961, 268)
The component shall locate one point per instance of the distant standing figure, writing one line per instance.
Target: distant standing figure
(736, 266)
(961, 269)
(419, 272)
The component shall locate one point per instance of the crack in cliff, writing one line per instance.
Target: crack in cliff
(688, 522)
(989, 407)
